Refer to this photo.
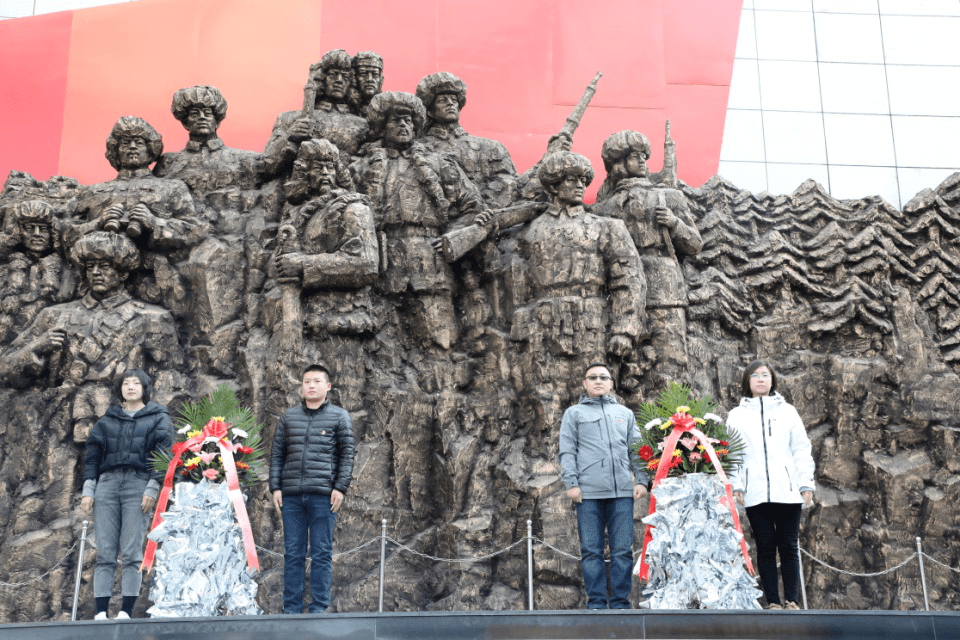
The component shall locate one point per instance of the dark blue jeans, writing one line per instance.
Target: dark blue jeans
(307, 517)
(606, 521)
(776, 527)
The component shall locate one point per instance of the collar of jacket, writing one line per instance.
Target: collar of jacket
(607, 399)
(772, 400)
(306, 409)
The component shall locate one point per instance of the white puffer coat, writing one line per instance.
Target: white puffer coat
(777, 464)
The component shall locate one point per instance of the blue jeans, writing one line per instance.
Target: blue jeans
(121, 528)
(307, 517)
(607, 520)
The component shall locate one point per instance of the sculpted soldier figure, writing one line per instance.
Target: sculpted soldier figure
(326, 114)
(206, 164)
(583, 292)
(659, 220)
(367, 78)
(486, 162)
(159, 213)
(34, 275)
(417, 194)
(86, 343)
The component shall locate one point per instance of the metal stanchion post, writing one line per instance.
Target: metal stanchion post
(76, 587)
(383, 557)
(530, 563)
(923, 578)
(803, 583)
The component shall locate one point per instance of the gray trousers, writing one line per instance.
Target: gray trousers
(121, 528)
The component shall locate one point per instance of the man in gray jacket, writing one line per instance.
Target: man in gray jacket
(596, 455)
(310, 469)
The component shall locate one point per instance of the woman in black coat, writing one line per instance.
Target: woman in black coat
(121, 486)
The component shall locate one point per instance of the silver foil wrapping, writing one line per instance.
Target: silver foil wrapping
(695, 558)
(200, 567)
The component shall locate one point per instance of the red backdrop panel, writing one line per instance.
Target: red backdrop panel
(525, 64)
(33, 77)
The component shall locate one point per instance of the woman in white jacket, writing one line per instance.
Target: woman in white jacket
(773, 480)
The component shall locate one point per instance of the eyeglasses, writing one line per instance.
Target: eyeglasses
(601, 378)
(759, 376)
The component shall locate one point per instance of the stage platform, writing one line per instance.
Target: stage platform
(515, 625)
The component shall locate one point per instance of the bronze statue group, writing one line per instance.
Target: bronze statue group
(373, 235)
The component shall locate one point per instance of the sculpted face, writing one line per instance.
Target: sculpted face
(103, 277)
(132, 152)
(369, 80)
(201, 122)
(336, 81)
(35, 236)
(570, 191)
(636, 165)
(322, 175)
(399, 129)
(446, 109)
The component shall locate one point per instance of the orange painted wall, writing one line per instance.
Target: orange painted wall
(525, 63)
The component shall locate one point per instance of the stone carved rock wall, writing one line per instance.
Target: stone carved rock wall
(456, 415)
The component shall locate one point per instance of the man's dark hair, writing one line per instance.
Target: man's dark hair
(753, 366)
(139, 374)
(320, 368)
(598, 364)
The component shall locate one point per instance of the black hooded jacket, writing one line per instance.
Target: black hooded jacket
(119, 440)
(312, 451)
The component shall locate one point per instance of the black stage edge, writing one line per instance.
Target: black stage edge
(515, 625)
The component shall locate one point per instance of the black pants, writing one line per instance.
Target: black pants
(776, 527)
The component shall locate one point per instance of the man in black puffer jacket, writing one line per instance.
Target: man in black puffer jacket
(310, 469)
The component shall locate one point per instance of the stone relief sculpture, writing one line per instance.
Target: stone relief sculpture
(456, 306)
(367, 78)
(486, 162)
(326, 113)
(660, 222)
(33, 275)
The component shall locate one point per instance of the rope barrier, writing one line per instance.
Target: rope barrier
(858, 575)
(9, 585)
(945, 566)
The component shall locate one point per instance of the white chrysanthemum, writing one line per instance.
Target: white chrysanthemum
(653, 423)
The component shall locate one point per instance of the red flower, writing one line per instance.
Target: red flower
(244, 449)
(724, 443)
(683, 421)
(242, 465)
(653, 464)
(676, 461)
(215, 429)
(722, 452)
(645, 452)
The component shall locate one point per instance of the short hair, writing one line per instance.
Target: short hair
(201, 95)
(556, 166)
(323, 149)
(368, 58)
(745, 378)
(140, 375)
(438, 83)
(318, 367)
(104, 245)
(598, 364)
(383, 104)
(33, 211)
(133, 126)
(622, 144)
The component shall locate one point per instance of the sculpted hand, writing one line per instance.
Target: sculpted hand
(86, 504)
(336, 500)
(148, 503)
(620, 346)
(50, 342)
(289, 266)
(575, 494)
(301, 130)
(666, 217)
(278, 500)
(484, 218)
(141, 215)
(109, 219)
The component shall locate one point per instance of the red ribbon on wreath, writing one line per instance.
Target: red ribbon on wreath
(684, 423)
(218, 430)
